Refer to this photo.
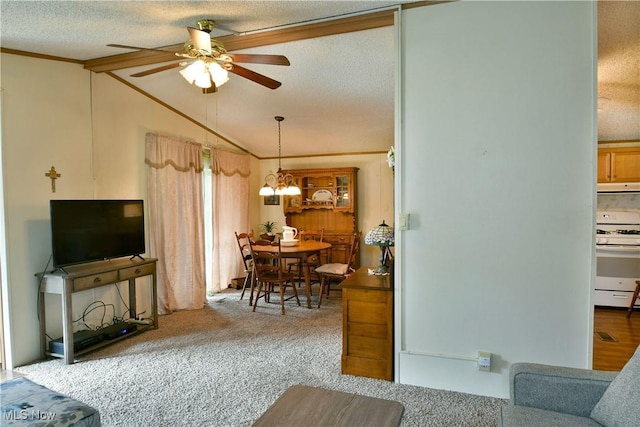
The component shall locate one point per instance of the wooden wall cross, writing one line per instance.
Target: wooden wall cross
(53, 175)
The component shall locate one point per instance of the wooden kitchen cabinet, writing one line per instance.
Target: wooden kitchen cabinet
(619, 164)
(329, 201)
(367, 325)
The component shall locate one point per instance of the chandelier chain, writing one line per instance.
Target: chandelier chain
(279, 146)
(279, 183)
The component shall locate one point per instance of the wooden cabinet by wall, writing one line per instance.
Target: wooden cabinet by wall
(367, 325)
(619, 164)
(329, 200)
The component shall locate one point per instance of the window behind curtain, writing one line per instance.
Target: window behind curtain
(208, 218)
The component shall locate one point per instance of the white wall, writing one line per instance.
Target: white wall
(91, 128)
(45, 122)
(498, 175)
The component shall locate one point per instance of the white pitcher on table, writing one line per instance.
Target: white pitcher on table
(289, 233)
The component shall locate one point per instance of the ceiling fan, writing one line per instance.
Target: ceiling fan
(211, 62)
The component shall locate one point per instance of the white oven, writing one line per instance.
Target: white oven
(617, 257)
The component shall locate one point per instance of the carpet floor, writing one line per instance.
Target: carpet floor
(224, 366)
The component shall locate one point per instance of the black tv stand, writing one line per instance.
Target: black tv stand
(136, 256)
(82, 277)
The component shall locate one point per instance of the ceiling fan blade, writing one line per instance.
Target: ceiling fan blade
(256, 77)
(124, 46)
(201, 40)
(259, 59)
(156, 70)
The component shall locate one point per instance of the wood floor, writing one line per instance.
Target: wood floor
(615, 338)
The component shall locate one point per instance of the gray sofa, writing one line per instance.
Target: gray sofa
(543, 395)
(25, 403)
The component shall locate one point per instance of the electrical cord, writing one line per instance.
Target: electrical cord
(128, 310)
(95, 305)
(122, 299)
(89, 309)
(40, 283)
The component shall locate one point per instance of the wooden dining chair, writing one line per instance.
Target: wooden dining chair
(298, 266)
(269, 273)
(636, 295)
(337, 272)
(243, 240)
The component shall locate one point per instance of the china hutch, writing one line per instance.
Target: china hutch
(329, 200)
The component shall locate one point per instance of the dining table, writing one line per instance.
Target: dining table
(300, 250)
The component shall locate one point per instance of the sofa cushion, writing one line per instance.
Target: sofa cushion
(572, 391)
(518, 416)
(25, 403)
(619, 403)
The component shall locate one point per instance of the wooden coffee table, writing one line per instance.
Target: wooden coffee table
(312, 406)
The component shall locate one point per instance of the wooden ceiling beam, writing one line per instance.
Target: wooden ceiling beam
(134, 59)
(309, 31)
(232, 42)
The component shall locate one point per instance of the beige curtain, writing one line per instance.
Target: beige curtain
(230, 213)
(176, 224)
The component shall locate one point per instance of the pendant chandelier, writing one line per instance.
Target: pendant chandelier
(279, 184)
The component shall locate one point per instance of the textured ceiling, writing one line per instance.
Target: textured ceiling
(619, 70)
(338, 94)
(328, 104)
(82, 29)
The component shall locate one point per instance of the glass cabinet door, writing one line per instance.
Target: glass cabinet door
(343, 198)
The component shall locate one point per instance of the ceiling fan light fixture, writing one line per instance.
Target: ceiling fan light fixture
(205, 74)
(203, 80)
(192, 71)
(218, 74)
(210, 57)
(206, 25)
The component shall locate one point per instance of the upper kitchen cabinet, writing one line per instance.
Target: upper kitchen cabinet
(619, 164)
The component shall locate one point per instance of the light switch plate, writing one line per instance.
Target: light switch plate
(404, 221)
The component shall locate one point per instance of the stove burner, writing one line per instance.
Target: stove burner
(628, 231)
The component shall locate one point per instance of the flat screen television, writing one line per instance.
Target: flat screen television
(93, 230)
